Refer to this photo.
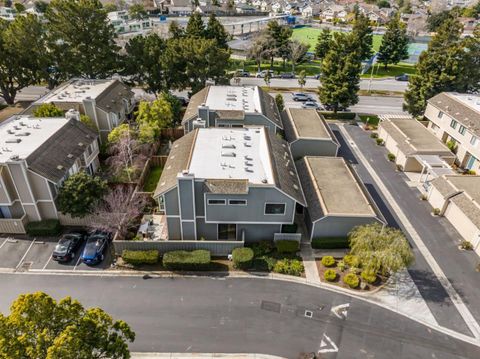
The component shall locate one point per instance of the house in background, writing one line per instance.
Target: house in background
(232, 106)
(36, 156)
(229, 184)
(412, 143)
(308, 134)
(458, 199)
(107, 102)
(455, 119)
(7, 13)
(337, 199)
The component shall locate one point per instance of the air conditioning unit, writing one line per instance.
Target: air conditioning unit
(199, 123)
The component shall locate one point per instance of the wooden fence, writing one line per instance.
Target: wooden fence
(172, 133)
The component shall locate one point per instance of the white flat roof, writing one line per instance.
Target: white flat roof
(241, 153)
(76, 90)
(472, 101)
(14, 140)
(237, 98)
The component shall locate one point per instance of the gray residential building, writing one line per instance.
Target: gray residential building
(232, 106)
(36, 156)
(229, 184)
(107, 102)
(308, 133)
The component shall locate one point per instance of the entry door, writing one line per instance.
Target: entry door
(470, 162)
(227, 232)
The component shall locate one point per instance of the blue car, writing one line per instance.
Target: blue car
(94, 251)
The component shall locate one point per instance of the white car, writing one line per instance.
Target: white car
(312, 104)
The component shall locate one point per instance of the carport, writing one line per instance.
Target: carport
(433, 166)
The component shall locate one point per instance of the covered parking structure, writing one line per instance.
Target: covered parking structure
(337, 200)
(407, 138)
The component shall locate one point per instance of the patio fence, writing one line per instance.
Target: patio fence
(287, 237)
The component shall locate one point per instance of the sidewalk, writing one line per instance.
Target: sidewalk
(311, 271)
(200, 355)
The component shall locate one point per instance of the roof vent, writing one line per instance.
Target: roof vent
(248, 169)
(15, 157)
(80, 144)
(264, 180)
(247, 144)
(228, 145)
(295, 186)
(60, 167)
(70, 155)
(23, 134)
(13, 140)
(228, 154)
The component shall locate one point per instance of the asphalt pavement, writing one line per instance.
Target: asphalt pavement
(264, 316)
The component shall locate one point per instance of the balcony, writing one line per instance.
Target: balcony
(13, 225)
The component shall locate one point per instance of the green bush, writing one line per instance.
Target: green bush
(184, 260)
(328, 261)
(391, 157)
(374, 135)
(351, 260)
(330, 243)
(339, 115)
(341, 265)
(289, 266)
(330, 275)
(262, 248)
(369, 276)
(467, 245)
(242, 257)
(140, 257)
(379, 141)
(436, 211)
(45, 228)
(351, 279)
(289, 228)
(286, 246)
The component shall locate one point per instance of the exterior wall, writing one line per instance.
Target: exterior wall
(412, 165)
(171, 203)
(47, 210)
(435, 198)
(5, 192)
(303, 147)
(211, 121)
(338, 226)
(253, 232)
(39, 187)
(187, 206)
(463, 225)
(104, 125)
(251, 119)
(174, 228)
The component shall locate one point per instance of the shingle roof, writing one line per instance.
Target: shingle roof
(269, 107)
(283, 167)
(196, 100)
(227, 186)
(230, 114)
(178, 160)
(111, 100)
(468, 117)
(51, 160)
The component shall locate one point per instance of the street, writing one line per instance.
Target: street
(244, 315)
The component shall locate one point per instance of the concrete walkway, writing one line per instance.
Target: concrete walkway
(201, 355)
(311, 271)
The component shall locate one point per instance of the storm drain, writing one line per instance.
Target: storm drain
(271, 306)
(308, 313)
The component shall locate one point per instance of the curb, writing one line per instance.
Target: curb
(202, 355)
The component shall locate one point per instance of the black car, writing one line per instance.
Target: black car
(329, 107)
(67, 246)
(402, 77)
(287, 75)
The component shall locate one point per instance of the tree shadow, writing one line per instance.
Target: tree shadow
(382, 206)
(344, 150)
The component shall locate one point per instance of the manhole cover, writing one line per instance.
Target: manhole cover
(271, 306)
(308, 313)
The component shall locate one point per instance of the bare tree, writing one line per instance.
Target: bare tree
(297, 52)
(118, 211)
(259, 50)
(127, 155)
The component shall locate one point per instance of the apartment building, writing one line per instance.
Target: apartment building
(232, 106)
(36, 156)
(107, 102)
(455, 119)
(229, 184)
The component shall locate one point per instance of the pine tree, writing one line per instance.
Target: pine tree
(195, 27)
(340, 76)
(363, 36)
(323, 43)
(394, 47)
(215, 30)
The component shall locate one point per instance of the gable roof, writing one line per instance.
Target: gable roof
(269, 107)
(196, 100)
(110, 100)
(51, 160)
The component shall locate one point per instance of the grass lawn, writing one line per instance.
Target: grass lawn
(392, 70)
(311, 68)
(152, 178)
(372, 119)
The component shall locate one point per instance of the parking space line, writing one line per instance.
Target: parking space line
(5, 241)
(23, 258)
(78, 262)
(46, 264)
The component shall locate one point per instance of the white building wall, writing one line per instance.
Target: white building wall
(463, 225)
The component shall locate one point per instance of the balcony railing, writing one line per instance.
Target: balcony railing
(13, 225)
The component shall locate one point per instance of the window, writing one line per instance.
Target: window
(440, 114)
(462, 130)
(473, 141)
(453, 124)
(237, 202)
(227, 232)
(217, 201)
(275, 208)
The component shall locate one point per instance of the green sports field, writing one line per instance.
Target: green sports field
(309, 36)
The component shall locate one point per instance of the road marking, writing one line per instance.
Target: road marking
(78, 262)
(327, 345)
(23, 258)
(341, 310)
(452, 293)
(46, 264)
(5, 241)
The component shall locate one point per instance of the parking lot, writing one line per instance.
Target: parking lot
(21, 254)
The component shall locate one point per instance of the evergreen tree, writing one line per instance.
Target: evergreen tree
(394, 47)
(363, 36)
(281, 39)
(81, 40)
(195, 27)
(340, 76)
(323, 43)
(215, 30)
(175, 30)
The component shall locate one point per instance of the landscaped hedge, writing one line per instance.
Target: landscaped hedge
(289, 266)
(45, 228)
(140, 257)
(330, 275)
(328, 261)
(330, 243)
(286, 246)
(339, 115)
(184, 260)
(289, 228)
(242, 257)
(351, 279)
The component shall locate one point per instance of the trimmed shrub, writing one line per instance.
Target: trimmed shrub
(289, 266)
(379, 141)
(45, 228)
(184, 260)
(330, 275)
(351, 260)
(328, 261)
(467, 245)
(351, 279)
(369, 276)
(341, 265)
(391, 157)
(287, 246)
(289, 228)
(436, 211)
(330, 243)
(374, 135)
(140, 257)
(261, 248)
(242, 257)
(339, 115)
